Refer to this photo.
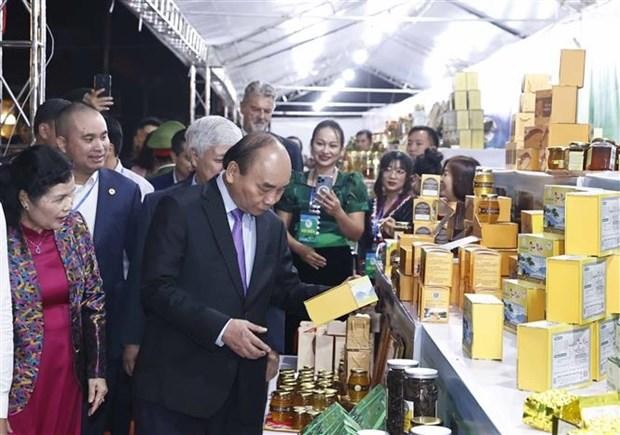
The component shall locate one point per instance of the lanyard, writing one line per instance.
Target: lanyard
(77, 207)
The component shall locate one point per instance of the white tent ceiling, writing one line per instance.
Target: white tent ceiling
(409, 43)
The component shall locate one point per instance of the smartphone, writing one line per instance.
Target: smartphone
(103, 81)
(324, 183)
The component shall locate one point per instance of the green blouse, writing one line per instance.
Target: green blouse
(350, 189)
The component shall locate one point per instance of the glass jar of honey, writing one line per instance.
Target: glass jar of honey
(318, 400)
(576, 156)
(488, 209)
(601, 155)
(484, 181)
(556, 158)
(281, 407)
(358, 384)
(300, 418)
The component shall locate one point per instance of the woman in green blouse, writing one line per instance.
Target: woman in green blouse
(323, 210)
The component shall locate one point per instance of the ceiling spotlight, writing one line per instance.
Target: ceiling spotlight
(360, 56)
(348, 74)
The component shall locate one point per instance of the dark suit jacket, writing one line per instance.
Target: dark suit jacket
(118, 208)
(294, 153)
(191, 288)
(163, 181)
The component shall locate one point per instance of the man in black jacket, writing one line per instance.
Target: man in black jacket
(216, 258)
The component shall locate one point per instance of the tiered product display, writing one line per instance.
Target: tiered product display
(463, 123)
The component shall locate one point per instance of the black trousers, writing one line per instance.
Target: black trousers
(155, 419)
(339, 267)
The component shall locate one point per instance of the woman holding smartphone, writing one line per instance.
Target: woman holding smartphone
(323, 209)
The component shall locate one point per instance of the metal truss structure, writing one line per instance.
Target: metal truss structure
(24, 103)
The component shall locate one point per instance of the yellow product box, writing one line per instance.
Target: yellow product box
(554, 199)
(613, 285)
(477, 139)
(459, 82)
(505, 207)
(417, 256)
(572, 67)
(519, 122)
(391, 249)
(523, 302)
(340, 300)
(533, 251)
(476, 120)
(553, 355)
(486, 266)
(575, 289)
(472, 80)
(465, 260)
(358, 331)
(459, 100)
(499, 236)
(434, 304)
(532, 221)
(423, 231)
(405, 287)
(405, 239)
(406, 260)
(430, 186)
(603, 332)
(464, 138)
(436, 267)
(474, 101)
(613, 373)
(425, 209)
(593, 223)
(507, 268)
(527, 102)
(483, 317)
(535, 82)
(462, 119)
(564, 134)
(456, 282)
(563, 105)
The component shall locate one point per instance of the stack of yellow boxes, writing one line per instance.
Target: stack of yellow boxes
(501, 235)
(425, 208)
(435, 282)
(573, 345)
(548, 116)
(463, 124)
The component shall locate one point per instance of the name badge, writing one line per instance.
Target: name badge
(308, 227)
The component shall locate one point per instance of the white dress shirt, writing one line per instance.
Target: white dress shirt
(6, 323)
(85, 200)
(143, 184)
(249, 237)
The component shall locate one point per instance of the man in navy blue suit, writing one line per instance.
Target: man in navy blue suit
(110, 204)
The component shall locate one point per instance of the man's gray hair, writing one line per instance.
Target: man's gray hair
(211, 131)
(262, 89)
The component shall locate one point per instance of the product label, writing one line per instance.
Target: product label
(575, 160)
(570, 362)
(533, 267)
(422, 211)
(515, 305)
(610, 223)
(438, 269)
(487, 271)
(430, 186)
(308, 227)
(435, 308)
(606, 343)
(593, 288)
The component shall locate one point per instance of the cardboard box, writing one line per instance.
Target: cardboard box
(423, 231)
(430, 186)
(391, 249)
(532, 221)
(542, 112)
(405, 287)
(536, 137)
(482, 327)
(406, 260)
(575, 289)
(505, 207)
(465, 260)
(358, 331)
(534, 249)
(528, 159)
(564, 134)
(459, 82)
(341, 300)
(499, 236)
(359, 359)
(459, 100)
(436, 267)
(474, 102)
(305, 344)
(486, 266)
(535, 82)
(613, 286)
(324, 350)
(425, 209)
(462, 119)
(519, 122)
(553, 355)
(434, 304)
(456, 282)
(477, 139)
(592, 223)
(523, 302)
(527, 102)
(417, 256)
(340, 352)
(603, 332)
(563, 105)
(554, 198)
(572, 67)
(464, 138)
(507, 270)
(476, 120)
(472, 80)
(404, 239)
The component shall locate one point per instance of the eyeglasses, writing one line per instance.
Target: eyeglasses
(397, 171)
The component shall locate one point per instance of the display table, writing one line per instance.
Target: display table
(476, 396)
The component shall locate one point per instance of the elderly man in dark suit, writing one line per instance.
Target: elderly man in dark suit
(215, 259)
